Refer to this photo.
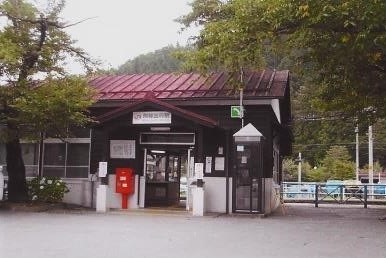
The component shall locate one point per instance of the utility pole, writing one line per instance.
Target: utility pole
(357, 154)
(241, 97)
(371, 161)
(300, 168)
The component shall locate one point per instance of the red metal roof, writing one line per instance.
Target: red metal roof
(271, 84)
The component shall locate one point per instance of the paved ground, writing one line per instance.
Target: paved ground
(305, 231)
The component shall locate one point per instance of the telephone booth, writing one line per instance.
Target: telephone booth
(248, 177)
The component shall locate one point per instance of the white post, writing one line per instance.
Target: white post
(371, 161)
(357, 153)
(187, 207)
(1, 183)
(241, 108)
(299, 174)
(241, 97)
(300, 169)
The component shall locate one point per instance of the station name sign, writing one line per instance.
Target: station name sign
(152, 117)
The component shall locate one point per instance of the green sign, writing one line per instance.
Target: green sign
(236, 111)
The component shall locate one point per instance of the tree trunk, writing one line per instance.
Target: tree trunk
(17, 185)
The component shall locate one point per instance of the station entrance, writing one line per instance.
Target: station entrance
(166, 169)
(166, 178)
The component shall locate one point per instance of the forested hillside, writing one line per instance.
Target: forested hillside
(159, 61)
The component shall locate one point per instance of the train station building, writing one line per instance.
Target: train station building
(172, 130)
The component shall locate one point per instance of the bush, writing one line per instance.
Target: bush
(47, 189)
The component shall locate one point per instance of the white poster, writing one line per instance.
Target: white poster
(199, 170)
(122, 149)
(219, 163)
(102, 171)
(208, 165)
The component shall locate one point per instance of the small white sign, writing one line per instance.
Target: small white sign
(219, 163)
(220, 150)
(102, 171)
(243, 160)
(191, 167)
(122, 149)
(199, 170)
(208, 165)
(152, 117)
(240, 147)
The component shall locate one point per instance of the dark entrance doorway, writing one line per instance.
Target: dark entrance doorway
(166, 177)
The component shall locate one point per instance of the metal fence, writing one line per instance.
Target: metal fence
(333, 192)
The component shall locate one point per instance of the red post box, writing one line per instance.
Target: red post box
(124, 183)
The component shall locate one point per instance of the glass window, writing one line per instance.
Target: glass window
(59, 158)
(54, 154)
(78, 154)
(69, 160)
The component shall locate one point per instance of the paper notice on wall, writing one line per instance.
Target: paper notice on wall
(199, 170)
(219, 163)
(243, 160)
(102, 171)
(122, 149)
(240, 148)
(208, 165)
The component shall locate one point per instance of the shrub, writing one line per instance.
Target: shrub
(47, 189)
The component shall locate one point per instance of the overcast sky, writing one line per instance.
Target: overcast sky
(124, 29)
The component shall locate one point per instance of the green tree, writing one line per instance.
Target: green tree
(34, 44)
(290, 170)
(336, 51)
(317, 175)
(337, 164)
(340, 44)
(159, 61)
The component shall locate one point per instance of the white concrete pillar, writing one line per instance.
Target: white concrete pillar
(102, 204)
(198, 201)
(1, 183)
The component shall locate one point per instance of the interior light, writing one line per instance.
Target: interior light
(160, 129)
(158, 151)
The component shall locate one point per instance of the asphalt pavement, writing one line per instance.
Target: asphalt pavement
(304, 231)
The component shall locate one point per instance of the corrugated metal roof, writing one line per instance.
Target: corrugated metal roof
(271, 84)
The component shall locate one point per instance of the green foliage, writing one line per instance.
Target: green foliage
(337, 164)
(290, 170)
(35, 45)
(341, 45)
(38, 110)
(159, 61)
(336, 51)
(317, 175)
(47, 189)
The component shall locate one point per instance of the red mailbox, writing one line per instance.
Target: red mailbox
(124, 183)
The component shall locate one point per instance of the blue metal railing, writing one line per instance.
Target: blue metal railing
(333, 192)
